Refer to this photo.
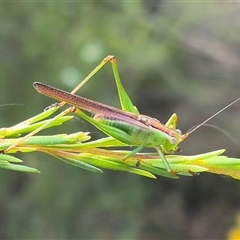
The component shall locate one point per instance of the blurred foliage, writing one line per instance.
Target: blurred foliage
(234, 232)
(172, 57)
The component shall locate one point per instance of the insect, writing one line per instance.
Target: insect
(126, 125)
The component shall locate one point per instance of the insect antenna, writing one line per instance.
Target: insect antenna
(194, 128)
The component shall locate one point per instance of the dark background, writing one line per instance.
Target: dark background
(173, 57)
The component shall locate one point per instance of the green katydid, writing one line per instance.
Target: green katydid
(127, 125)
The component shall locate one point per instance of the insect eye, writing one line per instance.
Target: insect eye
(173, 140)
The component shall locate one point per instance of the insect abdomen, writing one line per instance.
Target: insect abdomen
(124, 126)
(137, 134)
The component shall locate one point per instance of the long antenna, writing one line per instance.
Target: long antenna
(208, 119)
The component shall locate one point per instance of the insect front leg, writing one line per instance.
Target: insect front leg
(164, 160)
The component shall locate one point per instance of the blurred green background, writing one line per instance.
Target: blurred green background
(178, 57)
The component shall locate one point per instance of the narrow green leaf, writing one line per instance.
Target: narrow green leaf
(9, 158)
(17, 167)
(100, 162)
(80, 164)
(21, 129)
(157, 171)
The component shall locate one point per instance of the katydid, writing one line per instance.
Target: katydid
(127, 125)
